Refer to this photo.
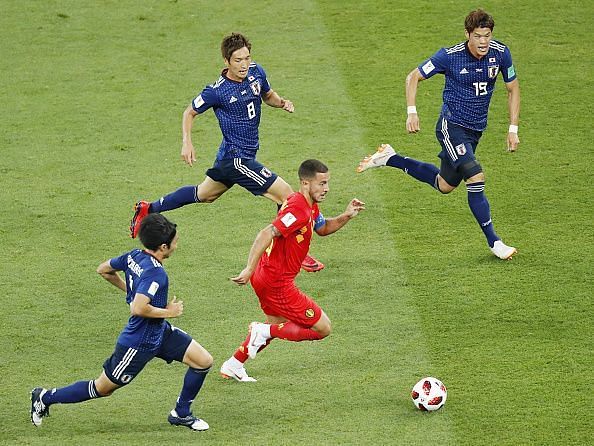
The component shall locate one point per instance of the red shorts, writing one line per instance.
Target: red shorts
(288, 302)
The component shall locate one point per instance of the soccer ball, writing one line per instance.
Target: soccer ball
(429, 394)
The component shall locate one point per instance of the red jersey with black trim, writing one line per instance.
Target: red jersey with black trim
(281, 261)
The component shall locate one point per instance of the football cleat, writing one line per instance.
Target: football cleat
(311, 265)
(141, 210)
(378, 159)
(190, 421)
(257, 338)
(503, 251)
(38, 408)
(238, 374)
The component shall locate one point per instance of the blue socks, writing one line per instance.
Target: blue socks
(192, 384)
(425, 172)
(74, 393)
(479, 205)
(182, 196)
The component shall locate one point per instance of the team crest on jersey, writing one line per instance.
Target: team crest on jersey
(255, 86)
(461, 149)
(492, 60)
(493, 71)
(309, 313)
(266, 173)
(126, 379)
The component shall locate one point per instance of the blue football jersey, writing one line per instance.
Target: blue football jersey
(469, 82)
(237, 106)
(144, 275)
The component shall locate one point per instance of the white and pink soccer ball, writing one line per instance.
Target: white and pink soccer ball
(429, 394)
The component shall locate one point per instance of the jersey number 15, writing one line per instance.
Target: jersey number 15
(480, 88)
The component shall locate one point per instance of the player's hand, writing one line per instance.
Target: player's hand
(188, 153)
(512, 142)
(288, 106)
(354, 207)
(243, 277)
(175, 307)
(413, 125)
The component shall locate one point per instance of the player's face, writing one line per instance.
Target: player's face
(478, 41)
(238, 64)
(319, 187)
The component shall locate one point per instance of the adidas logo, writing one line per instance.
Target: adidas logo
(463, 71)
(232, 100)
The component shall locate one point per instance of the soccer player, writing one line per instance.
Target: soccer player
(147, 334)
(470, 69)
(236, 99)
(274, 261)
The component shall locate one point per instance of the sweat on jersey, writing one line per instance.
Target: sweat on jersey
(469, 82)
(144, 275)
(237, 106)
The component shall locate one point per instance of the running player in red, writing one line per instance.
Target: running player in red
(273, 262)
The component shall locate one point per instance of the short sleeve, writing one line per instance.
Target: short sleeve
(264, 85)
(508, 70)
(205, 100)
(151, 283)
(119, 263)
(290, 219)
(437, 63)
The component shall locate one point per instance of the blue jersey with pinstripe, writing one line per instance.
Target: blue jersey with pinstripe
(144, 275)
(469, 82)
(237, 106)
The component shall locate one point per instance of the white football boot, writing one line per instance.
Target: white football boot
(503, 251)
(378, 159)
(228, 371)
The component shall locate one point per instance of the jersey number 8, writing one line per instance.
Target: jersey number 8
(251, 109)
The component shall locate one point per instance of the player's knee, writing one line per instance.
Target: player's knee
(324, 329)
(207, 361)
(443, 186)
(472, 171)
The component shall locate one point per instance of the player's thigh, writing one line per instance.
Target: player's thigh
(197, 356)
(290, 303)
(125, 364)
(279, 191)
(209, 190)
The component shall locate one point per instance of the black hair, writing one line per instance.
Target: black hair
(232, 43)
(309, 169)
(478, 19)
(156, 230)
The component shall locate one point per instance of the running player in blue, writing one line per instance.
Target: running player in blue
(147, 334)
(236, 98)
(470, 69)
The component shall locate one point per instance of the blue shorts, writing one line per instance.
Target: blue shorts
(126, 362)
(248, 173)
(458, 147)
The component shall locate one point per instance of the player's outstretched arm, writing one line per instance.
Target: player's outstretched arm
(188, 153)
(111, 275)
(334, 224)
(261, 243)
(272, 99)
(513, 105)
(413, 124)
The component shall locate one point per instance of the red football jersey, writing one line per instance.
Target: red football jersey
(281, 261)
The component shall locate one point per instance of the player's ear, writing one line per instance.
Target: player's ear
(467, 34)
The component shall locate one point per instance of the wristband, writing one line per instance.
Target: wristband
(513, 129)
(411, 109)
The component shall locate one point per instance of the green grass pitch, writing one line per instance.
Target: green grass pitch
(93, 94)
